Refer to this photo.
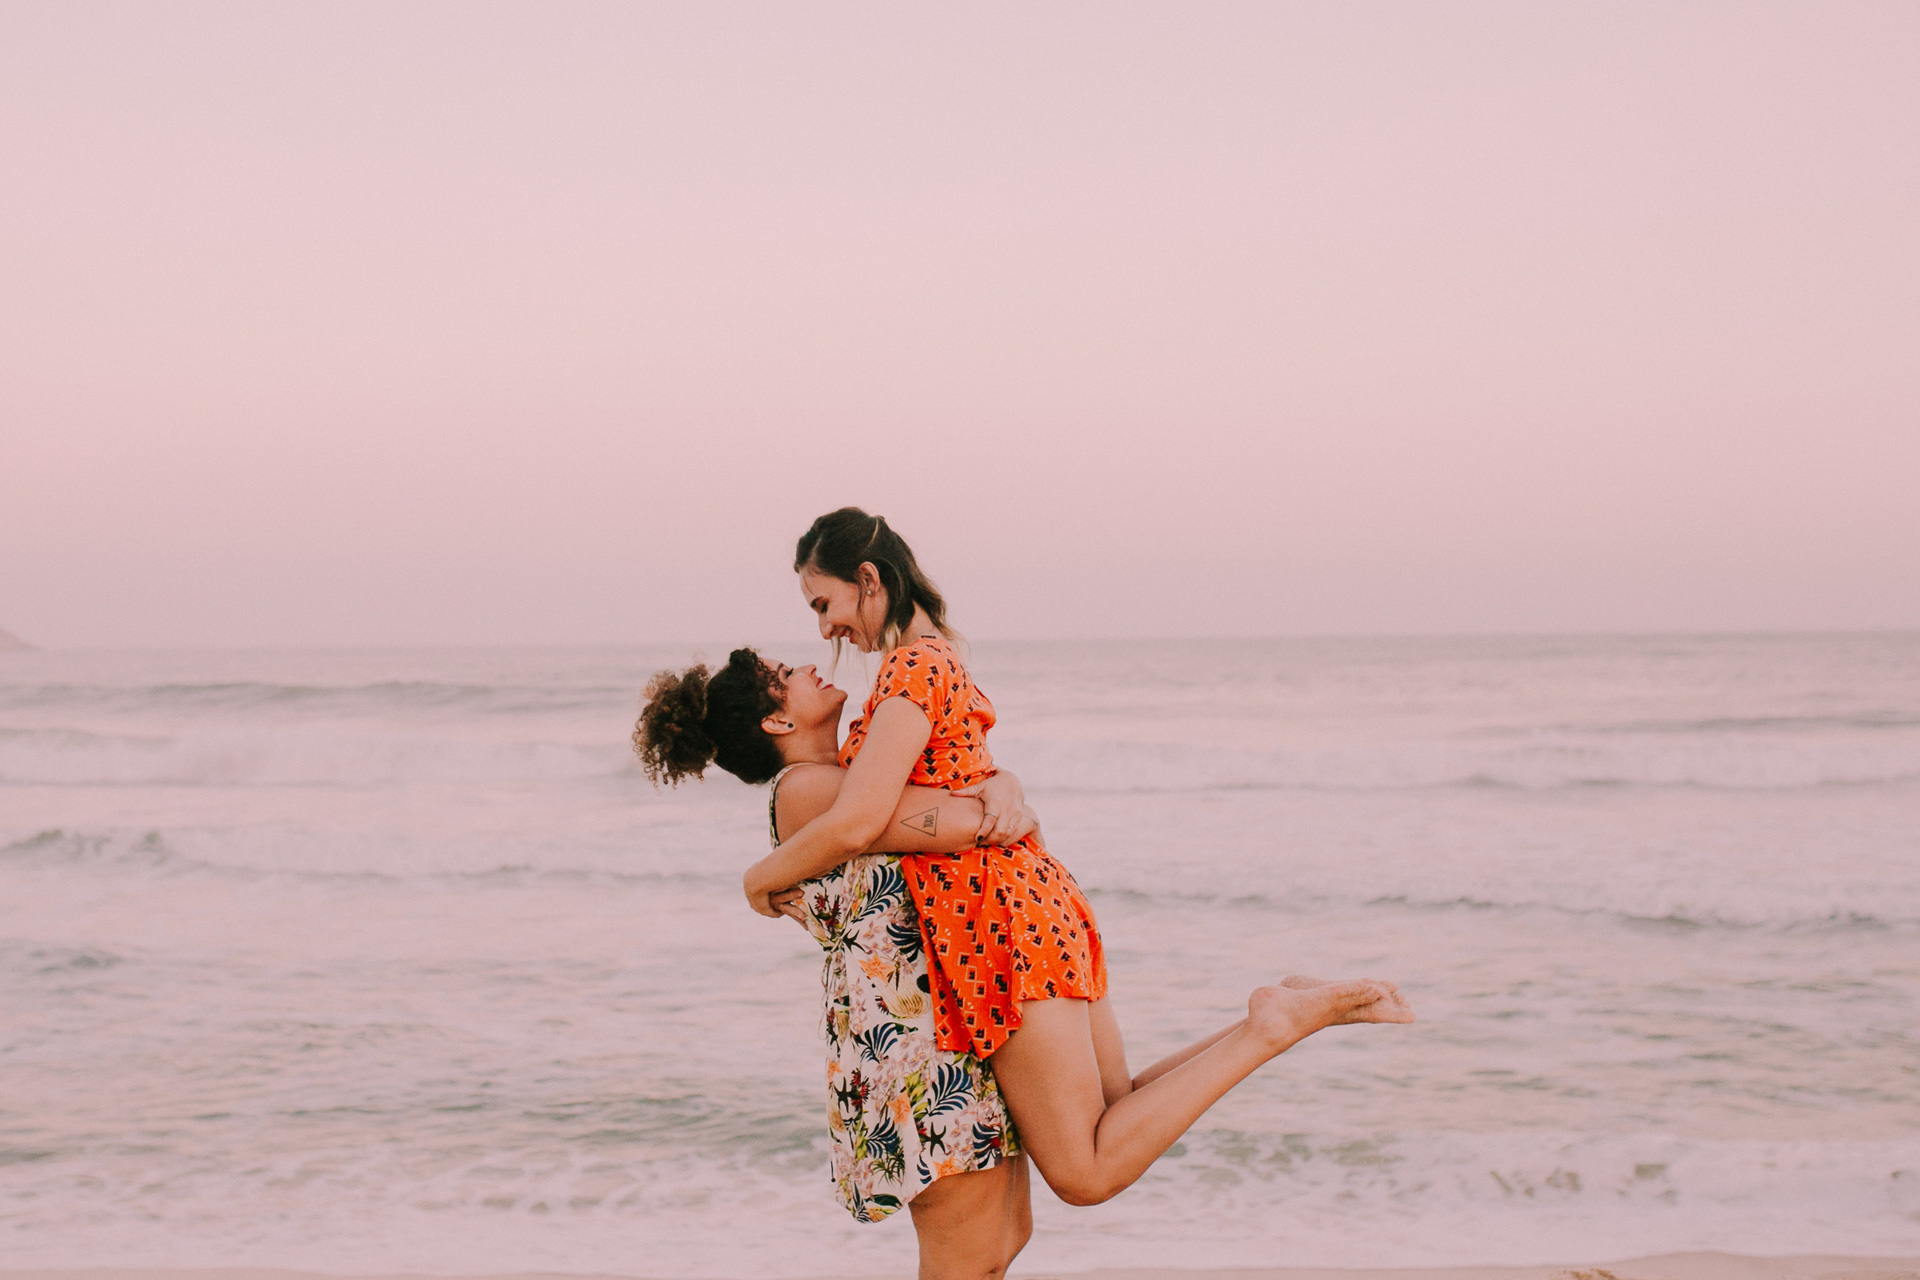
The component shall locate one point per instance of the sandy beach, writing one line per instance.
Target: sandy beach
(1670, 1266)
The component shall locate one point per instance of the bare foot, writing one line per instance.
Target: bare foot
(1300, 982)
(1286, 1014)
(1390, 1007)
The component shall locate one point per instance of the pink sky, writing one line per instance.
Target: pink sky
(556, 322)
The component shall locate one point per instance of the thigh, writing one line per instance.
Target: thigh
(1116, 1082)
(1050, 1078)
(970, 1225)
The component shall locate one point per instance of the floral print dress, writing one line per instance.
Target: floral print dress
(901, 1112)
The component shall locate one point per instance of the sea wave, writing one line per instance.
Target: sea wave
(293, 756)
(696, 866)
(1700, 909)
(1224, 1198)
(59, 847)
(1871, 718)
(1537, 762)
(331, 754)
(370, 697)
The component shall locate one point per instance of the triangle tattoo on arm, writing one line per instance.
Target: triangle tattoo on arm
(928, 822)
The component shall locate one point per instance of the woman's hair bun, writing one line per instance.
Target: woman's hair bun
(670, 737)
(694, 718)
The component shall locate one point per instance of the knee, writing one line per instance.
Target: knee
(974, 1268)
(1019, 1231)
(1017, 1237)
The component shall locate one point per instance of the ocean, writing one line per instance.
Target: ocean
(366, 960)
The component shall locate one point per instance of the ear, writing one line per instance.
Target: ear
(869, 578)
(777, 724)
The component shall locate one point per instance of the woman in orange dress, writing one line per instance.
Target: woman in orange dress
(1014, 953)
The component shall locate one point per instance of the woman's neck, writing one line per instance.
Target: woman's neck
(920, 627)
(818, 745)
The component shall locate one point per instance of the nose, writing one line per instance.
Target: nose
(826, 628)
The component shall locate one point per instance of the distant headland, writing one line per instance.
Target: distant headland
(10, 641)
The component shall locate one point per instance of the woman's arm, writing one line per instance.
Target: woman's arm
(927, 819)
(869, 793)
(1007, 818)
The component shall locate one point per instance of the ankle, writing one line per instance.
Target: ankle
(1281, 1017)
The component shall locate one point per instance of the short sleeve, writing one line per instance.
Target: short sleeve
(919, 675)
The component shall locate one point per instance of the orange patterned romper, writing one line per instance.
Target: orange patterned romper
(1002, 923)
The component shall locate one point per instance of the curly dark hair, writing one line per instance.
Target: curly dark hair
(691, 719)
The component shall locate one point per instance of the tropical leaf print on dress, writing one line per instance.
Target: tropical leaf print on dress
(901, 1112)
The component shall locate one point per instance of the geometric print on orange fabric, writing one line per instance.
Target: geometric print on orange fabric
(1002, 923)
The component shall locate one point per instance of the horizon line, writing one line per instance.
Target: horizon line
(386, 645)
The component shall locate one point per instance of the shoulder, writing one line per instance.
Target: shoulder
(804, 794)
(922, 663)
(919, 652)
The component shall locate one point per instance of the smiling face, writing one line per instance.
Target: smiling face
(850, 611)
(809, 700)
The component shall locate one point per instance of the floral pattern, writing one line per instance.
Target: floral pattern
(901, 1112)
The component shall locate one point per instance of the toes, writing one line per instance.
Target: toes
(1356, 993)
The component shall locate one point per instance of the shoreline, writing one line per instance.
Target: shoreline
(1670, 1266)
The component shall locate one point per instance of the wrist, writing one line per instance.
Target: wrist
(757, 881)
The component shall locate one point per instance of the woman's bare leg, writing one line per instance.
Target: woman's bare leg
(1112, 1053)
(971, 1225)
(1051, 1074)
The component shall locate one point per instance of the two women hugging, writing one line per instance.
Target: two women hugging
(967, 1014)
